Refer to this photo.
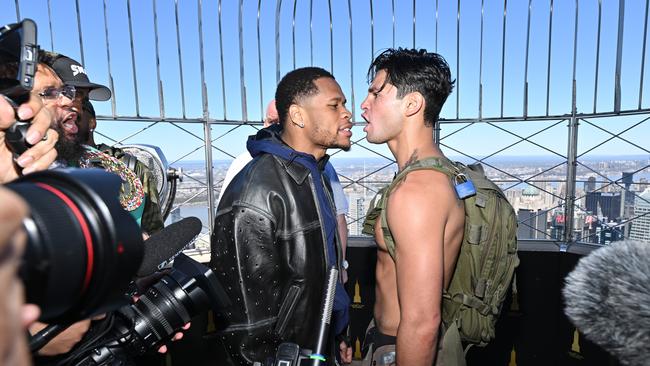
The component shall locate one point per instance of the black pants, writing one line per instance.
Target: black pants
(378, 348)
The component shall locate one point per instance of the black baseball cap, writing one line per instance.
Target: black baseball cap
(73, 73)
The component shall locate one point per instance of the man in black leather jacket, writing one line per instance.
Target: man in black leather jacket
(275, 229)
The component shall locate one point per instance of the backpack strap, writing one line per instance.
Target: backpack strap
(374, 211)
(379, 203)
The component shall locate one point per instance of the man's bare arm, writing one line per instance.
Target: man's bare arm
(417, 214)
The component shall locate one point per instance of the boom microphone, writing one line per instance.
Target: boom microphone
(318, 357)
(608, 299)
(291, 354)
(167, 243)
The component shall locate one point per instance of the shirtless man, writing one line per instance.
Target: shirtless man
(424, 215)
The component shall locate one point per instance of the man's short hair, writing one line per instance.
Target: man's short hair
(296, 85)
(411, 70)
(47, 57)
(8, 72)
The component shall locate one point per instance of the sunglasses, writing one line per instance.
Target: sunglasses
(67, 91)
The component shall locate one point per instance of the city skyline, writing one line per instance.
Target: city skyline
(545, 195)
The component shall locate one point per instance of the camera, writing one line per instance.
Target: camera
(189, 289)
(18, 66)
(83, 251)
(82, 247)
(18, 59)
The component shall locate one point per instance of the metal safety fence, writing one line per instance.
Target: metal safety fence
(550, 96)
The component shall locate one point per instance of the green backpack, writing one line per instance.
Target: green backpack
(488, 253)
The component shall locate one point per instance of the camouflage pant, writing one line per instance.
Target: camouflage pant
(379, 349)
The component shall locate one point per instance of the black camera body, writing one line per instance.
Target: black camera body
(18, 66)
(18, 59)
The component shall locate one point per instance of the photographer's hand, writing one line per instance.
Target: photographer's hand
(177, 336)
(30, 314)
(345, 351)
(42, 153)
(63, 342)
(13, 312)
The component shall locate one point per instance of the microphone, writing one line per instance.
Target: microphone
(607, 297)
(291, 354)
(166, 244)
(318, 356)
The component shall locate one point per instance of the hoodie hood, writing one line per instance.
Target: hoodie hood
(268, 140)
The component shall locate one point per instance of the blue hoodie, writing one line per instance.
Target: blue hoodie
(274, 146)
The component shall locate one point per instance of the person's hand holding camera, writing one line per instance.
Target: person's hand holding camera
(14, 314)
(42, 153)
(64, 342)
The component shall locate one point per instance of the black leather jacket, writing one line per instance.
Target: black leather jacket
(268, 249)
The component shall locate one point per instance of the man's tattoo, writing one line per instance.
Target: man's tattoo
(412, 159)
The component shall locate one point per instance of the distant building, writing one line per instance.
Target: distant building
(604, 204)
(601, 232)
(531, 197)
(530, 191)
(590, 186)
(562, 189)
(589, 229)
(513, 196)
(591, 202)
(641, 224)
(548, 198)
(609, 233)
(627, 207)
(558, 223)
(532, 224)
(610, 203)
(357, 212)
(642, 185)
(627, 179)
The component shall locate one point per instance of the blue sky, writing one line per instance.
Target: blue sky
(477, 140)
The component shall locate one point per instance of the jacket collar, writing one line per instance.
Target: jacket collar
(297, 164)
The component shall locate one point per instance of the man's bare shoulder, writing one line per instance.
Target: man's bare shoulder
(428, 189)
(421, 204)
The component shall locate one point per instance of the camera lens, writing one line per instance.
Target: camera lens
(82, 249)
(166, 307)
(188, 289)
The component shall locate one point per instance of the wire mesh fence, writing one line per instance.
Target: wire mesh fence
(550, 96)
